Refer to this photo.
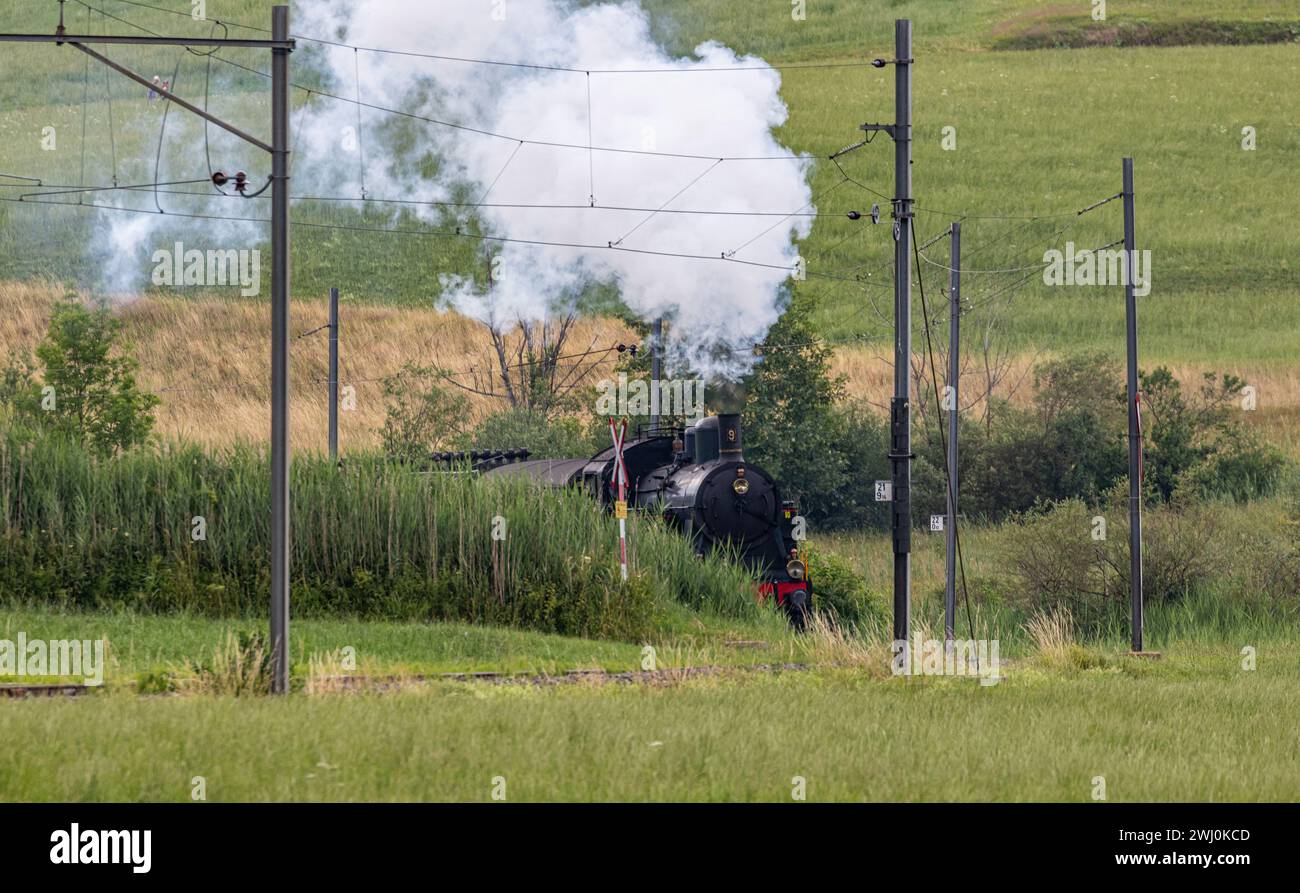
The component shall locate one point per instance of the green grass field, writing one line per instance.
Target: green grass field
(140, 643)
(1194, 726)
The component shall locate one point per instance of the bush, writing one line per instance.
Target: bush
(422, 415)
(1072, 444)
(544, 435)
(1059, 561)
(87, 391)
(838, 591)
(1241, 470)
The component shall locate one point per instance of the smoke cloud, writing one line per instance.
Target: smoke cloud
(717, 308)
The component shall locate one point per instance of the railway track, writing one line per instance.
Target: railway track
(48, 690)
(359, 683)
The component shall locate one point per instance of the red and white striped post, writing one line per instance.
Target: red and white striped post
(619, 433)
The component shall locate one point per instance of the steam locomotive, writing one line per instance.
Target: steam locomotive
(697, 479)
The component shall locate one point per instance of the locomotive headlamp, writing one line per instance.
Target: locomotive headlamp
(795, 568)
(741, 486)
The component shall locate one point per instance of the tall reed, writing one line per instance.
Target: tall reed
(175, 527)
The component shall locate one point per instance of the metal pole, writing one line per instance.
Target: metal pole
(334, 374)
(1134, 425)
(954, 351)
(281, 46)
(900, 421)
(656, 369)
(280, 554)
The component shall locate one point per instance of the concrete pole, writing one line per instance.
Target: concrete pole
(900, 419)
(1134, 425)
(954, 353)
(280, 543)
(334, 374)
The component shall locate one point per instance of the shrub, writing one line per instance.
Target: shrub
(422, 415)
(841, 594)
(1059, 563)
(1241, 469)
(545, 435)
(87, 391)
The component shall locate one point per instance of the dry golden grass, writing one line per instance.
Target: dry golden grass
(208, 359)
(1052, 631)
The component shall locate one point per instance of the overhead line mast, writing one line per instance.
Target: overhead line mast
(281, 44)
(900, 412)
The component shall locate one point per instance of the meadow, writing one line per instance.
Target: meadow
(400, 568)
(1038, 132)
(1195, 726)
(207, 359)
(141, 645)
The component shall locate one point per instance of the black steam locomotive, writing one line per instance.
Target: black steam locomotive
(698, 480)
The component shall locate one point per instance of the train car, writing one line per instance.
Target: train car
(698, 480)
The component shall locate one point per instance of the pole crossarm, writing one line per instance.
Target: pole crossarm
(890, 129)
(62, 37)
(167, 94)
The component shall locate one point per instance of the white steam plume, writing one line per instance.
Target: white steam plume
(719, 309)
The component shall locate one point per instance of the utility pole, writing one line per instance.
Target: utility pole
(900, 412)
(1134, 422)
(280, 45)
(656, 369)
(954, 375)
(334, 374)
(280, 546)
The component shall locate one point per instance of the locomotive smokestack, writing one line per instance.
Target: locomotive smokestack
(729, 438)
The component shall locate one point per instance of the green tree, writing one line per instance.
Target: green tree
(792, 427)
(88, 390)
(1196, 441)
